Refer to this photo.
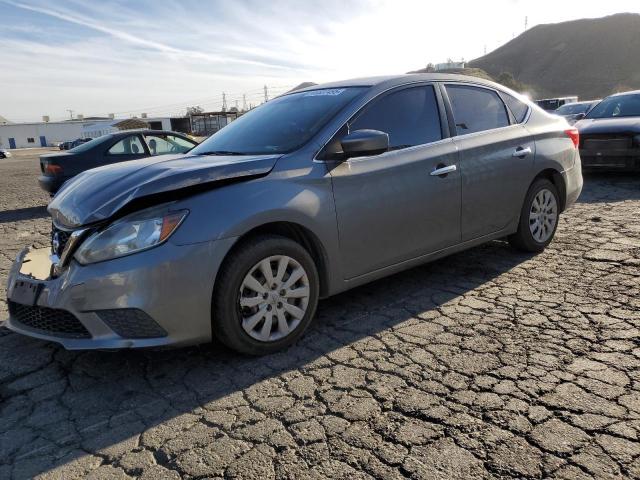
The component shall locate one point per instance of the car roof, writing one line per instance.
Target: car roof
(631, 92)
(582, 102)
(146, 131)
(557, 98)
(396, 80)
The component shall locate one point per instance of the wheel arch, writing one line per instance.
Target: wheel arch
(299, 234)
(555, 177)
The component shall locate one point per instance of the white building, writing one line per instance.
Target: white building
(43, 134)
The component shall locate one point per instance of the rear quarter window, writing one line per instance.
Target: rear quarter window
(518, 108)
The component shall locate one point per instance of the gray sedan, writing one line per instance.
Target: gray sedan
(309, 195)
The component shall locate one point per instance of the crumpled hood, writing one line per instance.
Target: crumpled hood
(98, 194)
(608, 125)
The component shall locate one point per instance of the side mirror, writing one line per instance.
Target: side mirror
(579, 116)
(361, 143)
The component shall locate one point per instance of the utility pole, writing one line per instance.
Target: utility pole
(485, 49)
(244, 102)
(70, 113)
(224, 102)
(526, 23)
(266, 94)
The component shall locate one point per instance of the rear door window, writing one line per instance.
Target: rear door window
(163, 144)
(130, 145)
(476, 109)
(410, 116)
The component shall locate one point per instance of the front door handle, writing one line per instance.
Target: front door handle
(443, 170)
(521, 152)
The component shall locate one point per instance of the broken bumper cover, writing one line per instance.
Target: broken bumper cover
(158, 297)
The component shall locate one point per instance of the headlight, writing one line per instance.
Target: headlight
(131, 234)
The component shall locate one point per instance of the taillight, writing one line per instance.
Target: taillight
(574, 135)
(52, 169)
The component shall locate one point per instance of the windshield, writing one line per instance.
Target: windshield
(572, 108)
(617, 106)
(83, 147)
(281, 125)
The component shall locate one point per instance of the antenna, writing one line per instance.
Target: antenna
(526, 23)
(266, 93)
(244, 102)
(70, 113)
(224, 102)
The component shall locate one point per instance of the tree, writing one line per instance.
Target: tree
(194, 110)
(507, 79)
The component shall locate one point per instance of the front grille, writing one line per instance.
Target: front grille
(48, 320)
(59, 239)
(131, 323)
(607, 143)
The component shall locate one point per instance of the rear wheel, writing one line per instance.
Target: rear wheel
(266, 295)
(538, 218)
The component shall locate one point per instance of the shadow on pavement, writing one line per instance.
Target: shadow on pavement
(21, 214)
(608, 187)
(94, 401)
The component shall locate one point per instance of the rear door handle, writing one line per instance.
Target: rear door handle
(521, 152)
(443, 170)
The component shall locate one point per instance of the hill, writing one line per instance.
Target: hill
(474, 72)
(590, 58)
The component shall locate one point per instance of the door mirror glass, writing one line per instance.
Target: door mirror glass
(365, 142)
(579, 116)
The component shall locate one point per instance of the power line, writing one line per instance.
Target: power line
(209, 101)
(249, 99)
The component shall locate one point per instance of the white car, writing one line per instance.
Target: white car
(4, 153)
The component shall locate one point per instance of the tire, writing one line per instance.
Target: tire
(525, 239)
(233, 324)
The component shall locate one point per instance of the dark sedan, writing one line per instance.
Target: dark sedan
(74, 143)
(57, 168)
(610, 134)
(575, 111)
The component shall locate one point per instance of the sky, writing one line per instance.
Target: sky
(160, 56)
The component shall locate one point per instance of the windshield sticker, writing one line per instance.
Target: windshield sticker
(329, 92)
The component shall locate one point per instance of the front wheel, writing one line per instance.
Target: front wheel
(538, 218)
(266, 295)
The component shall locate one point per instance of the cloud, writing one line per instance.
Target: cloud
(120, 56)
(136, 40)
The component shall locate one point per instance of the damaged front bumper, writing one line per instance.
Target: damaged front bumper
(158, 297)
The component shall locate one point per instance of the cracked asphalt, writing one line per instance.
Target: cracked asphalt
(487, 364)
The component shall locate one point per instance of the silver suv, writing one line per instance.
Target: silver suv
(310, 194)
